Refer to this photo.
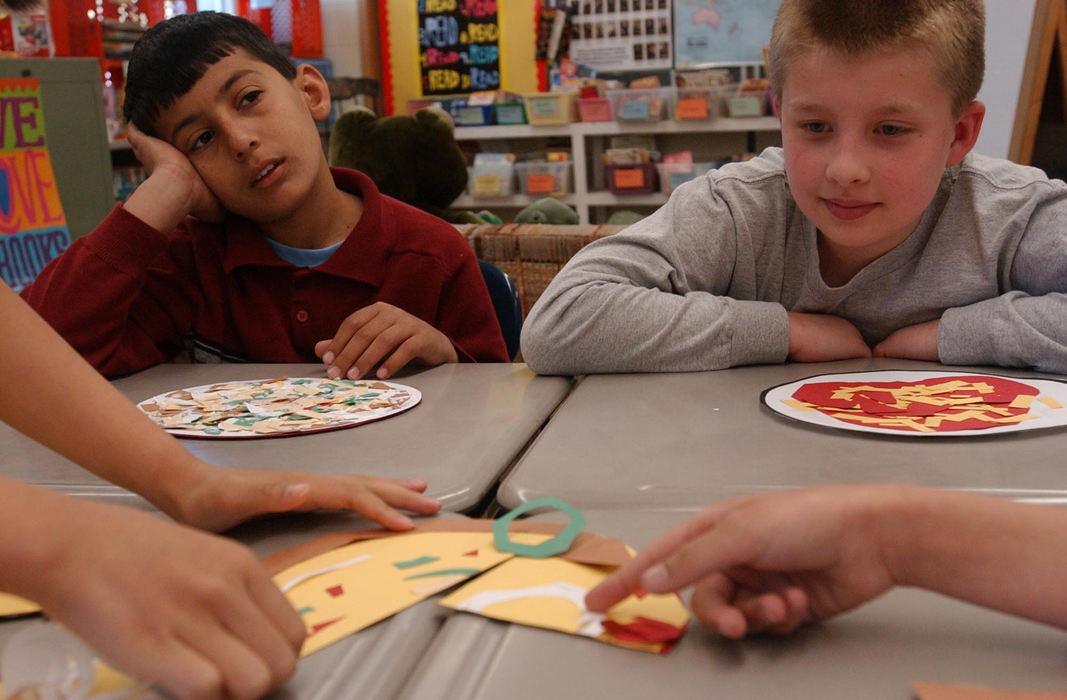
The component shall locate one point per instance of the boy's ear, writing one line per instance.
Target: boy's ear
(316, 92)
(967, 127)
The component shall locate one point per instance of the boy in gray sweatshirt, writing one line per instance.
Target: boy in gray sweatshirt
(873, 230)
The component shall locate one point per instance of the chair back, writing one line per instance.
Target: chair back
(505, 297)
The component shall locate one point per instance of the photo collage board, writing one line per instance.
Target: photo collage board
(622, 34)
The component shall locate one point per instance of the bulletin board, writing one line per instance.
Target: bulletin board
(622, 35)
(449, 47)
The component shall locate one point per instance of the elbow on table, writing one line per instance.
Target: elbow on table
(540, 350)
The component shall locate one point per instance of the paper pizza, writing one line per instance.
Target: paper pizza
(923, 403)
(344, 582)
(274, 407)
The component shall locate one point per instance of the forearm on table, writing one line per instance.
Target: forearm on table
(604, 325)
(989, 551)
(53, 396)
(1011, 330)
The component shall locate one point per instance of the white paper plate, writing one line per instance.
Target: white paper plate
(277, 407)
(1042, 408)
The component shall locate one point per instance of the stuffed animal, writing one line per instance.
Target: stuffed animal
(413, 158)
(547, 211)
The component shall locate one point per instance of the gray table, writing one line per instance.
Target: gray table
(373, 663)
(873, 652)
(659, 440)
(473, 421)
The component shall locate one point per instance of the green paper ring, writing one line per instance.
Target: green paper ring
(557, 545)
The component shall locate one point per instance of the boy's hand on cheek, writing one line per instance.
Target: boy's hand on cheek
(918, 342)
(173, 189)
(822, 338)
(382, 333)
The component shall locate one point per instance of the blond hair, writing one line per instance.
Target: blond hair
(952, 32)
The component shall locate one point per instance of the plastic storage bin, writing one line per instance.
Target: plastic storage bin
(509, 113)
(699, 103)
(595, 109)
(649, 105)
(745, 105)
(672, 175)
(546, 108)
(551, 178)
(632, 179)
(491, 180)
(472, 115)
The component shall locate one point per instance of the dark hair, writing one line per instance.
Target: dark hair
(173, 55)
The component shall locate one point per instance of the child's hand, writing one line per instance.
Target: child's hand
(765, 563)
(223, 497)
(821, 338)
(173, 189)
(192, 612)
(918, 342)
(383, 332)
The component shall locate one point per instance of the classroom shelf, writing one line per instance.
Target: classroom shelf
(709, 140)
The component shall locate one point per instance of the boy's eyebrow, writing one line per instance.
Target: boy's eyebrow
(223, 89)
(886, 109)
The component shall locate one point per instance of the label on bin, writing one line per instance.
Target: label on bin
(692, 108)
(486, 184)
(510, 114)
(634, 109)
(544, 106)
(540, 183)
(472, 116)
(629, 178)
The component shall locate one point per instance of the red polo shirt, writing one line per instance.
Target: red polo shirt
(127, 296)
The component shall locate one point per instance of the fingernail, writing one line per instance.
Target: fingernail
(328, 358)
(353, 373)
(333, 372)
(405, 521)
(383, 373)
(655, 579)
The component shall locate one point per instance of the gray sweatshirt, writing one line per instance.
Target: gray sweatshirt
(706, 281)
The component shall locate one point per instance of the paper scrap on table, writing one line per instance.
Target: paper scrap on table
(382, 577)
(343, 582)
(13, 606)
(945, 691)
(550, 593)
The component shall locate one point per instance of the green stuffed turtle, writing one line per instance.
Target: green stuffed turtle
(547, 211)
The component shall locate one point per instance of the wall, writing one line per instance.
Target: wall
(1008, 25)
(341, 36)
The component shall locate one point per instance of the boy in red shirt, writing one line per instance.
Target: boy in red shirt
(243, 244)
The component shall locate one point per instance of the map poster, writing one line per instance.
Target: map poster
(621, 35)
(718, 32)
(33, 229)
(459, 46)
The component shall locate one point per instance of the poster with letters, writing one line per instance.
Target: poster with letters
(459, 46)
(33, 229)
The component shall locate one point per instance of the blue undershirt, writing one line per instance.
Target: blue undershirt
(303, 257)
